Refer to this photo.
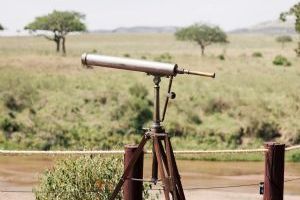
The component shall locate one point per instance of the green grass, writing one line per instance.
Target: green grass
(48, 101)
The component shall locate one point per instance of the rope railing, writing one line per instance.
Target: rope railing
(59, 152)
(107, 152)
(292, 148)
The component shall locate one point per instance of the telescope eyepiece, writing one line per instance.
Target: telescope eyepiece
(206, 74)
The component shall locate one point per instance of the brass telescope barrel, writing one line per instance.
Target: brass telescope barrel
(149, 67)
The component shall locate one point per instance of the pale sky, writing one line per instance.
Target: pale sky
(110, 14)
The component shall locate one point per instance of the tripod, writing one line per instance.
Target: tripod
(163, 156)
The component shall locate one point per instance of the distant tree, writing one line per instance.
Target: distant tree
(1, 27)
(284, 39)
(294, 11)
(203, 34)
(60, 23)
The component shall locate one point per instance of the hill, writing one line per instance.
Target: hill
(269, 27)
(140, 29)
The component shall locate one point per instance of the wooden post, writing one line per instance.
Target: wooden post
(133, 189)
(274, 171)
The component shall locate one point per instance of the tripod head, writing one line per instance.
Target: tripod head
(157, 69)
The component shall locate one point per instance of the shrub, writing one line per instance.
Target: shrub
(127, 55)
(138, 91)
(143, 57)
(221, 57)
(81, 178)
(135, 111)
(176, 129)
(281, 60)
(216, 106)
(295, 157)
(141, 113)
(234, 139)
(263, 129)
(295, 138)
(165, 57)
(22, 96)
(9, 126)
(257, 55)
(194, 119)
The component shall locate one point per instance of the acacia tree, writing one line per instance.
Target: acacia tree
(1, 27)
(294, 11)
(203, 34)
(284, 39)
(60, 23)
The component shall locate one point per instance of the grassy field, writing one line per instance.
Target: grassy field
(48, 101)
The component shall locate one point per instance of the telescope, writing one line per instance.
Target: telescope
(163, 159)
(149, 67)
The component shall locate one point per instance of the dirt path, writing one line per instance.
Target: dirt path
(21, 174)
(225, 195)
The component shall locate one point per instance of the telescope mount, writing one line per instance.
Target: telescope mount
(163, 159)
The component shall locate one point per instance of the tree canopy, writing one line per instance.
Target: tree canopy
(1, 27)
(60, 23)
(284, 39)
(295, 12)
(203, 34)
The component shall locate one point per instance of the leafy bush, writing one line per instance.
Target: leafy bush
(165, 57)
(127, 55)
(296, 157)
(216, 106)
(234, 139)
(80, 178)
(263, 129)
(21, 97)
(193, 118)
(281, 60)
(257, 55)
(221, 57)
(9, 125)
(138, 91)
(135, 111)
(144, 57)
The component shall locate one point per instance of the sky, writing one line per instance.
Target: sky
(110, 14)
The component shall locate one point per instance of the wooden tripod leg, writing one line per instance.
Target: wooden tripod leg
(161, 168)
(166, 163)
(176, 172)
(154, 165)
(128, 168)
(171, 168)
(164, 157)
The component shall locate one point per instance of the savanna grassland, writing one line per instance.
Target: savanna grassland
(49, 101)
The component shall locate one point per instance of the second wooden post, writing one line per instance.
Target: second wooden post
(274, 171)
